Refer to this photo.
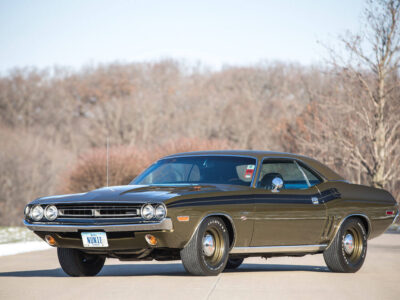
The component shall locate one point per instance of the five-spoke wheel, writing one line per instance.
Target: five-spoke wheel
(207, 251)
(348, 249)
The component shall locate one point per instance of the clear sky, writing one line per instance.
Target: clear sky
(73, 33)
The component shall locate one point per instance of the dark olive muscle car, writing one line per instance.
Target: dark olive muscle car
(212, 210)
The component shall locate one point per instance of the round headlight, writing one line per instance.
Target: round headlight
(147, 212)
(161, 211)
(51, 212)
(27, 210)
(37, 213)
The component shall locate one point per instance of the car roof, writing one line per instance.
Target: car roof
(322, 169)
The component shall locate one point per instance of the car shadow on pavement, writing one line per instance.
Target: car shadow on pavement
(35, 273)
(173, 269)
(277, 268)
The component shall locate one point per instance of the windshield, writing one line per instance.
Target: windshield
(200, 170)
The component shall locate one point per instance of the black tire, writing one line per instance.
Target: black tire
(77, 263)
(195, 260)
(233, 263)
(338, 257)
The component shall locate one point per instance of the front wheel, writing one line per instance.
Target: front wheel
(77, 263)
(206, 253)
(347, 252)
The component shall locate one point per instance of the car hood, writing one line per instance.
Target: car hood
(136, 193)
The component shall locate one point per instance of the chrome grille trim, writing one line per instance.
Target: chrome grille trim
(99, 211)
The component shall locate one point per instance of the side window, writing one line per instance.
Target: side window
(313, 179)
(293, 176)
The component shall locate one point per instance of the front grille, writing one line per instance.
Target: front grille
(98, 211)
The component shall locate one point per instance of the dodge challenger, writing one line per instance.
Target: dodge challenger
(212, 210)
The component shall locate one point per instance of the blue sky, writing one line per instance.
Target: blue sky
(74, 33)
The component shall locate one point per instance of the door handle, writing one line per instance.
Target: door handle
(314, 200)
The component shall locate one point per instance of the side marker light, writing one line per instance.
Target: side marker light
(183, 218)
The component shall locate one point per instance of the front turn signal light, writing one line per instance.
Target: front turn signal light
(50, 240)
(151, 239)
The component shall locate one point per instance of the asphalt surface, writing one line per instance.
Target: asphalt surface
(37, 275)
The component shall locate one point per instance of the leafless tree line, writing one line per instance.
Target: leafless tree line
(345, 114)
(355, 123)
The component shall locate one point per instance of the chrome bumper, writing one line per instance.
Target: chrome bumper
(165, 224)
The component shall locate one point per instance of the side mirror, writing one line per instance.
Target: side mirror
(277, 184)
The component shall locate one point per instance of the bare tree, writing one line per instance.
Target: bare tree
(354, 122)
(337, 114)
(375, 65)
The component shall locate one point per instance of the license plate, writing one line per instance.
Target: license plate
(94, 239)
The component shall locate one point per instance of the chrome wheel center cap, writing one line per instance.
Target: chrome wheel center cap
(208, 245)
(348, 243)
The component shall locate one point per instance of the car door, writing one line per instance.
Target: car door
(293, 214)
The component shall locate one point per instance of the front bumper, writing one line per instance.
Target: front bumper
(165, 224)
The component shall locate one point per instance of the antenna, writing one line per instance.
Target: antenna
(107, 160)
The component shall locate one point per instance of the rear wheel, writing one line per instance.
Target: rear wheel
(206, 253)
(347, 252)
(77, 263)
(233, 263)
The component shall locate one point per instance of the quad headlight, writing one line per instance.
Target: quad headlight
(51, 212)
(147, 212)
(27, 211)
(161, 211)
(37, 213)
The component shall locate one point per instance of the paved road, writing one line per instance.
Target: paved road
(37, 274)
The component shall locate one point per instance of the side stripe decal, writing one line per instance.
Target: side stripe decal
(324, 197)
